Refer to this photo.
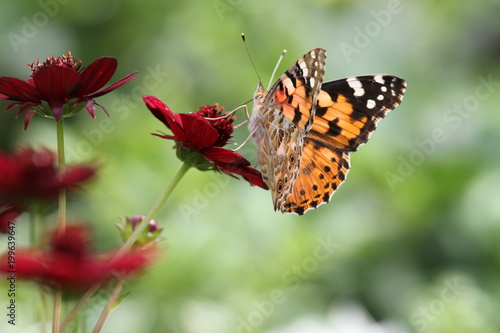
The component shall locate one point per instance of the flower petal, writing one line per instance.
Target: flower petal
(162, 112)
(253, 176)
(133, 261)
(90, 107)
(164, 136)
(231, 163)
(56, 83)
(28, 264)
(96, 75)
(115, 85)
(18, 90)
(27, 118)
(71, 264)
(8, 216)
(77, 174)
(223, 155)
(199, 133)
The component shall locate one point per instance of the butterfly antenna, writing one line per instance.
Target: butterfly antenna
(250, 57)
(276, 68)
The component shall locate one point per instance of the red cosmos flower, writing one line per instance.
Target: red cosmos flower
(200, 140)
(32, 176)
(69, 263)
(58, 87)
(7, 215)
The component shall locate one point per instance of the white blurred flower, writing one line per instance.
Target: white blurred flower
(205, 317)
(345, 317)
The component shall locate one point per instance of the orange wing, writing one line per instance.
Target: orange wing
(322, 169)
(347, 112)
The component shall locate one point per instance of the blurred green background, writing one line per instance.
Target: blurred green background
(409, 244)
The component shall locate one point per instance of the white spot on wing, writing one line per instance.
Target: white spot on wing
(380, 97)
(303, 67)
(370, 104)
(356, 85)
(378, 79)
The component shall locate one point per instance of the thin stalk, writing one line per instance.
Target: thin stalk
(78, 306)
(130, 241)
(156, 207)
(109, 305)
(42, 307)
(56, 317)
(61, 221)
(61, 163)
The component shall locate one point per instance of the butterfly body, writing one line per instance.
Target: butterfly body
(304, 129)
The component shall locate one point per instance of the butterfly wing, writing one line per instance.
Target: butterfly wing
(347, 112)
(281, 119)
(322, 169)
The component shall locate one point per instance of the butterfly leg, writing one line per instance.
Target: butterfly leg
(247, 115)
(246, 140)
(231, 113)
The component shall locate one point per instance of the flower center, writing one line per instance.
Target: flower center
(66, 60)
(222, 123)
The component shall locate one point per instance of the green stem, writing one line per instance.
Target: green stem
(156, 207)
(130, 241)
(61, 163)
(78, 306)
(109, 305)
(32, 228)
(56, 317)
(42, 306)
(61, 221)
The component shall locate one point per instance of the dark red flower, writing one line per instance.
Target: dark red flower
(32, 175)
(58, 87)
(70, 263)
(200, 140)
(8, 215)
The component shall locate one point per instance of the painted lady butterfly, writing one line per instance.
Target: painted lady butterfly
(305, 129)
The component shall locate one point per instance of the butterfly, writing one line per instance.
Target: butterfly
(305, 129)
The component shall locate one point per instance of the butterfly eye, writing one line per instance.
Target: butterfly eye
(279, 186)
